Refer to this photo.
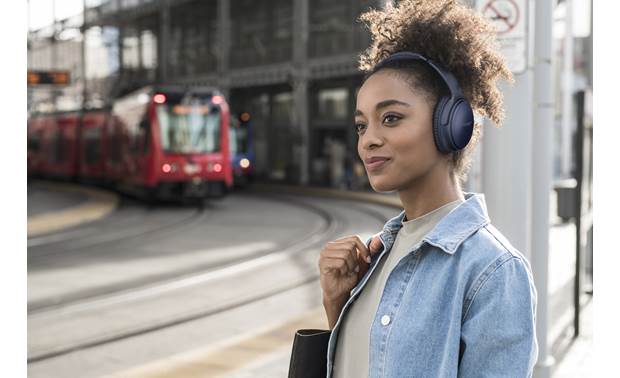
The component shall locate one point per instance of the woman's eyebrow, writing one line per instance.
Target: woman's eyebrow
(383, 104)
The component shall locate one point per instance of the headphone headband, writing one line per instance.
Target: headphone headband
(448, 78)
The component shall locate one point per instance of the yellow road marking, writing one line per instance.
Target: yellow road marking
(229, 355)
(99, 205)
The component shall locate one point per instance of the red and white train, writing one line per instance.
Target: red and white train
(168, 142)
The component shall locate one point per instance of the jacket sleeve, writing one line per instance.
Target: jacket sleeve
(498, 334)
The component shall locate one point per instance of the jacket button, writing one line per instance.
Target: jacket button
(385, 320)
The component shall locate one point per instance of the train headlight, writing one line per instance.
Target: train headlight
(244, 163)
(167, 168)
(159, 98)
(217, 167)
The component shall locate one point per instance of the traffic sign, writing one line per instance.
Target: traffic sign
(49, 77)
(510, 20)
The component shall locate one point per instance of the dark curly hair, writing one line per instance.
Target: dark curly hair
(457, 37)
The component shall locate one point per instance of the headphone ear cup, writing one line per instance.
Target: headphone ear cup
(461, 124)
(439, 132)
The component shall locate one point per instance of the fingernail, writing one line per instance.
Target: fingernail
(368, 259)
(357, 268)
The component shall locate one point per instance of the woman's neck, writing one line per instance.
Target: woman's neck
(428, 193)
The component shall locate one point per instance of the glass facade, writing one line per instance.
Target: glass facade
(261, 32)
(334, 29)
(333, 104)
(257, 34)
(193, 39)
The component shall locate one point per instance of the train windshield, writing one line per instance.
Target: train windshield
(189, 127)
(238, 140)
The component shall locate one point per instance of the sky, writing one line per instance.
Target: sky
(40, 12)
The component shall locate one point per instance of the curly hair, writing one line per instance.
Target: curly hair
(455, 36)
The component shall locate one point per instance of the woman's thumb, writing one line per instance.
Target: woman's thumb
(375, 244)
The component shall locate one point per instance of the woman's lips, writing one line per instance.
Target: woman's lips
(377, 164)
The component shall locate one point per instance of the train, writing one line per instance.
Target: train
(242, 149)
(158, 142)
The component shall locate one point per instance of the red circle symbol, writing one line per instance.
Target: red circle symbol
(503, 13)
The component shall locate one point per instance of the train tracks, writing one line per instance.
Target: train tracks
(204, 291)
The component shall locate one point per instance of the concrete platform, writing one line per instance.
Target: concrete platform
(54, 206)
(267, 353)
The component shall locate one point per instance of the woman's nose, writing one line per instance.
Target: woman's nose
(371, 138)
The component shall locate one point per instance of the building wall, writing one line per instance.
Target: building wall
(291, 64)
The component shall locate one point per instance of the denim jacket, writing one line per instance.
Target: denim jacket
(461, 303)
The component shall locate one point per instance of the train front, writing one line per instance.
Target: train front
(193, 139)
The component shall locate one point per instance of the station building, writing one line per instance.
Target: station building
(291, 65)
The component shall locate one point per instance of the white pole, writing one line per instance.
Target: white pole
(507, 153)
(542, 155)
(506, 164)
(567, 92)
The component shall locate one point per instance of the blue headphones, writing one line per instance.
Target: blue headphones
(453, 119)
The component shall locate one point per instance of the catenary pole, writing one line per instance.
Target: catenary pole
(541, 176)
(507, 152)
(567, 91)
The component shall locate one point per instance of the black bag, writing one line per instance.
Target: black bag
(309, 355)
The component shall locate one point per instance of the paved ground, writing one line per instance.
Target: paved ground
(276, 334)
(214, 293)
(54, 207)
(42, 199)
(578, 361)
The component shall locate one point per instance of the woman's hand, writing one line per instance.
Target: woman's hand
(342, 263)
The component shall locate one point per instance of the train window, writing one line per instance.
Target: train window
(238, 139)
(115, 151)
(115, 142)
(145, 131)
(189, 131)
(34, 142)
(57, 148)
(92, 146)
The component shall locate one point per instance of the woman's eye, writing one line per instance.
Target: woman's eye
(390, 118)
(359, 127)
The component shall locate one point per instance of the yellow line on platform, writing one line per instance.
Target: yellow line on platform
(230, 355)
(99, 205)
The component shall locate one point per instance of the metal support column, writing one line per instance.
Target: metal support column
(163, 41)
(507, 155)
(300, 87)
(567, 93)
(506, 164)
(83, 30)
(542, 158)
(224, 34)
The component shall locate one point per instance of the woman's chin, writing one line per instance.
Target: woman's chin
(381, 186)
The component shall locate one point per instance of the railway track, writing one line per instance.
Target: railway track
(206, 290)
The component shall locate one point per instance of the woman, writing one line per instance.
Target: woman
(440, 292)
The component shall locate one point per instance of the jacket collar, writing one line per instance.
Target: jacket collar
(452, 230)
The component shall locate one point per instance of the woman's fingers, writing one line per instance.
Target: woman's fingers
(343, 252)
(375, 244)
(355, 242)
(336, 264)
(348, 255)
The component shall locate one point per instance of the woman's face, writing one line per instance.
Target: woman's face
(395, 138)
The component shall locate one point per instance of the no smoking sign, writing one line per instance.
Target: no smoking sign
(510, 20)
(503, 13)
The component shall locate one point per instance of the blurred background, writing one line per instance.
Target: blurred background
(188, 159)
